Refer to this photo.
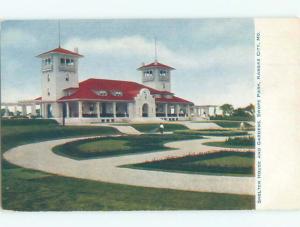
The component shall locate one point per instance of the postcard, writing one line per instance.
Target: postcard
(150, 114)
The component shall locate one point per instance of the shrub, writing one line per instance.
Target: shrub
(241, 141)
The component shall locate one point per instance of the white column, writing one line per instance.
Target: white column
(114, 109)
(33, 110)
(80, 109)
(166, 110)
(41, 110)
(67, 110)
(177, 109)
(98, 109)
(15, 110)
(24, 110)
(127, 110)
(6, 112)
(188, 111)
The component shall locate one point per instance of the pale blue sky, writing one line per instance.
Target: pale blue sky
(213, 57)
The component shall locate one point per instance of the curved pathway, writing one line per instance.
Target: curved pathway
(39, 156)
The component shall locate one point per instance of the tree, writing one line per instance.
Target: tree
(250, 109)
(227, 109)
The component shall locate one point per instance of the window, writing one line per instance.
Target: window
(67, 61)
(48, 77)
(162, 73)
(48, 92)
(164, 85)
(67, 77)
(47, 61)
(101, 93)
(148, 73)
(117, 93)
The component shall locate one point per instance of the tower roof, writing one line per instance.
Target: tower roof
(60, 50)
(155, 64)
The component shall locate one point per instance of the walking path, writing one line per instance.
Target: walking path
(39, 156)
(126, 129)
(201, 125)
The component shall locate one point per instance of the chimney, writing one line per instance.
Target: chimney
(76, 50)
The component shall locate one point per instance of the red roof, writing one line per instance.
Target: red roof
(129, 89)
(60, 50)
(174, 99)
(155, 64)
(38, 99)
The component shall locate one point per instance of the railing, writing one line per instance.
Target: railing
(47, 68)
(121, 115)
(106, 115)
(89, 115)
(160, 114)
(69, 68)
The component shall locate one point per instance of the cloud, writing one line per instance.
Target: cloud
(137, 46)
(18, 38)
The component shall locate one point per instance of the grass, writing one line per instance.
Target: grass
(226, 163)
(212, 132)
(235, 142)
(18, 132)
(151, 128)
(102, 147)
(31, 190)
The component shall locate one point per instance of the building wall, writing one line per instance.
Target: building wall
(58, 82)
(156, 82)
(144, 97)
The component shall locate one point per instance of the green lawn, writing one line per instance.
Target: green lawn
(114, 146)
(22, 131)
(225, 163)
(212, 132)
(235, 142)
(30, 190)
(104, 145)
(151, 128)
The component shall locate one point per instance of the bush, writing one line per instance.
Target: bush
(232, 118)
(241, 141)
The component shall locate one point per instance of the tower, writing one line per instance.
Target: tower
(156, 75)
(59, 71)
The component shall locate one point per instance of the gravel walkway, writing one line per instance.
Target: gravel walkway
(39, 156)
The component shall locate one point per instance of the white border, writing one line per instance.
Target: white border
(31, 9)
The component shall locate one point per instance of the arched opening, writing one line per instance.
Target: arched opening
(145, 110)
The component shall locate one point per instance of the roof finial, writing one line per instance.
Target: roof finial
(155, 50)
(59, 33)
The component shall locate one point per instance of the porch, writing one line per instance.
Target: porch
(100, 111)
(172, 111)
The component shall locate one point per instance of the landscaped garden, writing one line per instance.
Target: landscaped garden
(152, 128)
(225, 163)
(212, 132)
(235, 142)
(31, 190)
(113, 146)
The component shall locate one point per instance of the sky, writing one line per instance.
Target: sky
(213, 58)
